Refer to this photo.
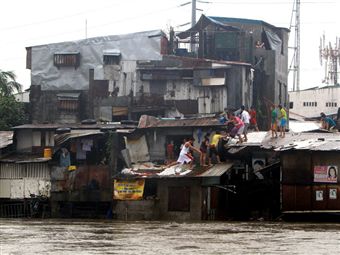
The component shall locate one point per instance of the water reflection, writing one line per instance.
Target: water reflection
(112, 237)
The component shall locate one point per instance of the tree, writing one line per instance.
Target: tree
(11, 112)
(8, 83)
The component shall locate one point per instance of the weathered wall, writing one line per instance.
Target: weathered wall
(19, 181)
(49, 77)
(136, 210)
(298, 187)
(195, 212)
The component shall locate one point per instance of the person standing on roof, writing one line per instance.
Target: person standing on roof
(245, 117)
(213, 147)
(282, 121)
(185, 157)
(274, 120)
(238, 127)
(327, 122)
(253, 120)
(204, 149)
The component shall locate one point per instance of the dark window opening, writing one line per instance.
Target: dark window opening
(111, 59)
(66, 59)
(179, 199)
(291, 105)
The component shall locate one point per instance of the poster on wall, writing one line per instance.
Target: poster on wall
(332, 193)
(327, 174)
(128, 189)
(319, 195)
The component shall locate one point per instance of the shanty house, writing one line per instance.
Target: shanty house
(69, 80)
(311, 184)
(256, 42)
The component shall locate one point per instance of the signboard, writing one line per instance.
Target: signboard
(332, 193)
(128, 189)
(326, 174)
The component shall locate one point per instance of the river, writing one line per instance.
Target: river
(116, 237)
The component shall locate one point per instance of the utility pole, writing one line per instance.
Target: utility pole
(193, 22)
(296, 67)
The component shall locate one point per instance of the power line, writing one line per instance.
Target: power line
(100, 25)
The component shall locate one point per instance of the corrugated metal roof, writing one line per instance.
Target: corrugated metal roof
(152, 122)
(6, 138)
(303, 126)
(304, 141)
(293, 141)
(217, 170)
(62, 138)
(177, 171)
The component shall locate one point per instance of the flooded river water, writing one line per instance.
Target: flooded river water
(113, 237)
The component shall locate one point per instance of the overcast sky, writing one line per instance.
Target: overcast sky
(29, 23)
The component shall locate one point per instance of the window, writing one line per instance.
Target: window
(291, 105)
(66, 59)
(111, 57)
(68, 102)
(304, 103)
(316, 104)
(179, 199)
(326, 104)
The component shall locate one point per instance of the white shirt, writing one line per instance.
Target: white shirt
(245, 117)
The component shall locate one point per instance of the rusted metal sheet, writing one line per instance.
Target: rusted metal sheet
(296, 171)
(152, 122)
(296, 198)
(217, 170)
(86, 178)
(138, 149)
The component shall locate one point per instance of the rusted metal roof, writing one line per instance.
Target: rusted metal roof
(152, 122)
(6, 138)
(177, 171)
(217, 170)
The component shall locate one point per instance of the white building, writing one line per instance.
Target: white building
(311, 102)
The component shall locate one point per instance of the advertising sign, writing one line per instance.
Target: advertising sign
(128, 189)
(326, 174)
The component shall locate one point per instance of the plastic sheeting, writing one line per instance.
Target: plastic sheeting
(133, 47)
(274, 41)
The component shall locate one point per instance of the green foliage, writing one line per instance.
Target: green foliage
(8, 84)
(11, 112)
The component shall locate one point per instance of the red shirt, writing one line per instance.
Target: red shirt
(252, 117)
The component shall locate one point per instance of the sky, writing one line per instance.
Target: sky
(28, 23)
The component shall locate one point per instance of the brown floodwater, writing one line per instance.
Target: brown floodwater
(116, 237)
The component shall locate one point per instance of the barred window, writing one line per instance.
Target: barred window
(66, 59)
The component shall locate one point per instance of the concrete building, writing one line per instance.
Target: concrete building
(309, 103)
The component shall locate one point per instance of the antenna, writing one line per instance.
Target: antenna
(331, 55)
